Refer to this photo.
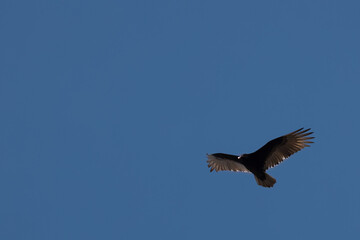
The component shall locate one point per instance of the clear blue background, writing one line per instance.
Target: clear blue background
(109, 107)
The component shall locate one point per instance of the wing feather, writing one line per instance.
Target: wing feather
(224, 164)
(283, 147)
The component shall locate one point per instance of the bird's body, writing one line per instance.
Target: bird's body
(268, 156)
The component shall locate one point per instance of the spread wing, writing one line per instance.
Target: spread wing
(224, 164)
(279, 149)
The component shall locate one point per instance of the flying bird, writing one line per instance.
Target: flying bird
(268, 156)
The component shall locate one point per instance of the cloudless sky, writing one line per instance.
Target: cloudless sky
(108, 109)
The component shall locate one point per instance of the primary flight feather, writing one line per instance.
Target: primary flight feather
(268, 156)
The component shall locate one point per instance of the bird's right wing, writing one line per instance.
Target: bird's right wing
(224, 164)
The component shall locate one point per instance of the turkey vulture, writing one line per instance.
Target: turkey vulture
(270, 155)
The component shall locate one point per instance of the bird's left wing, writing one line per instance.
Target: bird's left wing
(224, 164)
(283, 147)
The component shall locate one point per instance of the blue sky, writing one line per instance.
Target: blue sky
(108, 109)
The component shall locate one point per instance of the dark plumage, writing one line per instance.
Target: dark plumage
(270, 155)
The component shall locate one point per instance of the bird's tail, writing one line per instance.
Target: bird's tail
(267, 181)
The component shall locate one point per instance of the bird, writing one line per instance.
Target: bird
(270, 155)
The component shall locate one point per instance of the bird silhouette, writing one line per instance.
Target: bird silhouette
(268, 156)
